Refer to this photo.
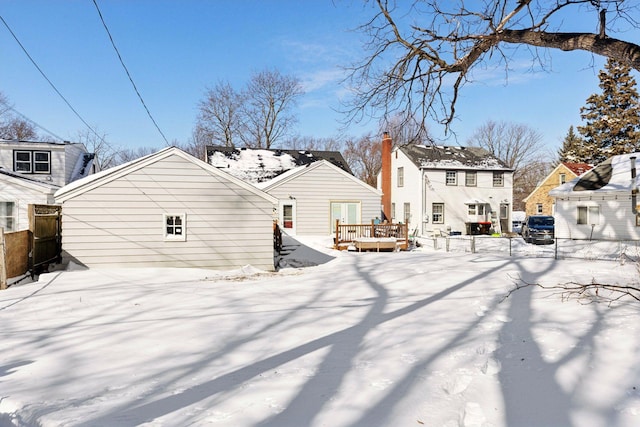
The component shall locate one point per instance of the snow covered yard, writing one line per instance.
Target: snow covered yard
(366, 339)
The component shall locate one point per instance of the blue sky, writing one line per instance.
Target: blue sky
(174, 50)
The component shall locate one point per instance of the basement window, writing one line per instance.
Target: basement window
(175, 227)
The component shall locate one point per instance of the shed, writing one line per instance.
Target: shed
(167, 209)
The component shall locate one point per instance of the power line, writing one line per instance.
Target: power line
(34, 122)
(127, 71)
(47, 79)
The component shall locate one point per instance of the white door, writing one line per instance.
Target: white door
(288, 216)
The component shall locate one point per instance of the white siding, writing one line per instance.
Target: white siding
(120, 223)
(23, 196)
(616, 221)
(316, 189)
(422, 188)
(63, 158)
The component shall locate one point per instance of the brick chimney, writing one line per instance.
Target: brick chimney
(386, 175)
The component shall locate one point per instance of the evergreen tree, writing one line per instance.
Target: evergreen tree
(612, 117)
(572, 148)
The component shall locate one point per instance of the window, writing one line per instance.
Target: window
(452, 178)
(393, 212)
(437, 213)
(175, 227)
(472, 210)
(400, 177)
(32, 161)
(504, 211)
(563, 178)
(470, 179)
(407, 213)
(498, 179)
(7, 216)
(589, 215)
(538, 208)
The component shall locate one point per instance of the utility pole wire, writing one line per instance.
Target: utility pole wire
(128, 74)
(47, 79)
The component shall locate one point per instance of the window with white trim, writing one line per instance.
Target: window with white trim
(175, 227)
(539, 208)
(407, 213)
(589, 215)
(400, 177)
(470, 178)
(437, 213)
(8, 214)
(451, 178)
(563, 178)
(498, 179)
(31, 161)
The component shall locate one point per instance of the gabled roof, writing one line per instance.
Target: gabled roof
(301, 170)
(577, 168)
(257, 165)
(24, 181)
(100, 178)
(452, 157)
(611, 176)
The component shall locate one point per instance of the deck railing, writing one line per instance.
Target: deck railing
(346, 234)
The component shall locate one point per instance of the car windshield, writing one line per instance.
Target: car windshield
(543, 220)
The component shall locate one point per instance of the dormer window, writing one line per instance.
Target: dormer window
(30, 161)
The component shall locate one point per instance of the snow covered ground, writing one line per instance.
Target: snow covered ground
(419, 338)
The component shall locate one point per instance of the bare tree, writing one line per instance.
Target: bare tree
(311, 143)
(270, 97)
(106, 154)
(406, 130)
(219, 120)
(520, 148)
(421, 53)
(364, 158)
(15, 128)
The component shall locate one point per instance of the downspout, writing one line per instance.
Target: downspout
(634, 186)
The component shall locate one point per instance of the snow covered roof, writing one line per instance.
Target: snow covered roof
(611, 176)
(452, 157)
(260, 165)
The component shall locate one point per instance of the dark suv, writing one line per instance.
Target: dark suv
(538, 229)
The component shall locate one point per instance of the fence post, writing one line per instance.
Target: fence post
(473, 244)
(447, 245)
(3, 260)
(556, 248)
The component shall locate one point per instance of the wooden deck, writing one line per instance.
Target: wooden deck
(371, 236)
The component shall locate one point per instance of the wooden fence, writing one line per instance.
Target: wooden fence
(31, 250)
(348, 234)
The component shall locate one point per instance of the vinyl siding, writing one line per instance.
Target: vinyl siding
(616, 221)
(120, 223)
(315, 190)
(23, 196)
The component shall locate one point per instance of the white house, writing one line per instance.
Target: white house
(313, 188)
(32, 171)
(443, 189)
(17, 192)
(599, 204)
(167, 209)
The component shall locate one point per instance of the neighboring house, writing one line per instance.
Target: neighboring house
(32, 171)
(17, 192)
(314, 188)
(167, 209)
(441, 189)
(539, 202)
(598, 204)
